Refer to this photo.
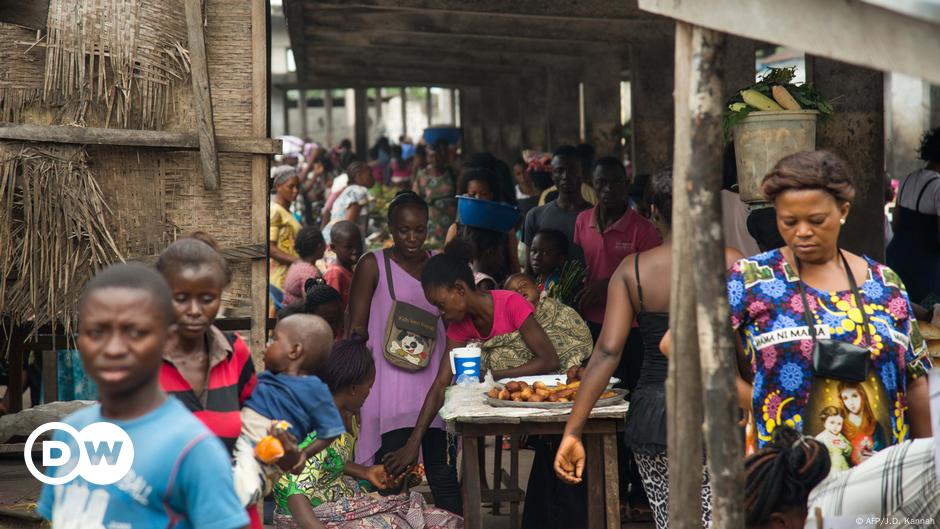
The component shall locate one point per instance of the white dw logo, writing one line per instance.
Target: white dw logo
(105, 453)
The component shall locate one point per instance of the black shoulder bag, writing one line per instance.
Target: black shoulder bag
(836, 359)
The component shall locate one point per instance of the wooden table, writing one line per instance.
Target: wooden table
(600, 443)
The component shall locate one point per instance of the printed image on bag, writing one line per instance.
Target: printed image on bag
(410, 347)
(410, 337)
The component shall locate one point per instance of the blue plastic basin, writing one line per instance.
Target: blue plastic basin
(486, 214)
(449, 134)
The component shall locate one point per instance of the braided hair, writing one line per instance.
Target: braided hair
(317, 292)
(350, 363)
(309, 239)
(781, 475)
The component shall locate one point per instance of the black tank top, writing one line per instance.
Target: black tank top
(653, 325)
(911, 222)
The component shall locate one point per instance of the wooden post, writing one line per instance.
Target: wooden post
(328, 115)
(716, 344)
(259, 181)
(453, 107)
(205, 127)
(684, 384)
(404, 111)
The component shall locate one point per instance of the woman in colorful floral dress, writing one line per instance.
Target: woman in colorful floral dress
(437, 185)
(770, 293)
(332, 490)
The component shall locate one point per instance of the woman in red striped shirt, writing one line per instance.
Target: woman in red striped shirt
(209, 371)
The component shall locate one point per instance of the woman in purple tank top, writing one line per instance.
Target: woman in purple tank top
(391, 411)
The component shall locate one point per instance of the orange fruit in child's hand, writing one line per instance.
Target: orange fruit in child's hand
(269, 449)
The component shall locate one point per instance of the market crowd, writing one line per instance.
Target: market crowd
(552, 263)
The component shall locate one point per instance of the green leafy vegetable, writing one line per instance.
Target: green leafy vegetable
(805, 94)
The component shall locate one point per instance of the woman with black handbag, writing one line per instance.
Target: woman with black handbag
(815, 319)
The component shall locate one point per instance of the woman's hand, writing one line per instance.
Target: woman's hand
(569, 460)
(402, 460)
(377, 476)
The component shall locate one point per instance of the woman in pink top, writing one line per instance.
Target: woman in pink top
(471, 314)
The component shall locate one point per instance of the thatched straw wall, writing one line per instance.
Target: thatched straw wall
(132, 71)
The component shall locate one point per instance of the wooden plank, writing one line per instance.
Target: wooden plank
(535, 425)
(470, 485)
(497, 470)
(684, 383)
(132, 138)
(611, 482)
(259, 179)
(596, 505)
(514, 521)
(717, 346)
(559, 10)
(50, 376)
(850, 31)
(31, 14)
(202, 98)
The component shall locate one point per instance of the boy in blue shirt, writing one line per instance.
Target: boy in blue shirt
(181, 475)
(288, 390)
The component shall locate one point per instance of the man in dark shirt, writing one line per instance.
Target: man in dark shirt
(561, 213)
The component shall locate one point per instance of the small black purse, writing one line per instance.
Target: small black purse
(836, 359)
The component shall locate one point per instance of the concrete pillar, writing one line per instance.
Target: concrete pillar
(278, 112)
(510, 117)
(652, 73)
(490, 118)
(361, 122)
(535, 119)
(302, 112)
(934, 106)
(404, 111)
(562, 108)
(601, 78)
(428, 106)
(328, 115)
(472, 118)
(740, 65)
(856, 133)
(907, 115)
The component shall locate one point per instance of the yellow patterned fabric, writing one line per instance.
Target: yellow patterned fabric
(564, 327)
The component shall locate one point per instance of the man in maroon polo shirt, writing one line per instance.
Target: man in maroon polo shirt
(607, 233)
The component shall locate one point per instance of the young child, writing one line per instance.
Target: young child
(839, 447)
(483, 184)
(346, 242)
(485, 264)
(181, 472)
(310, 247)
(288, 390)
(320, 300)
(547, 256)
(564, 327)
